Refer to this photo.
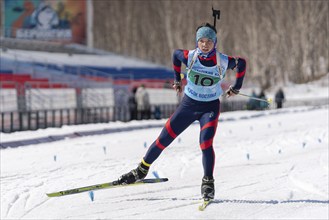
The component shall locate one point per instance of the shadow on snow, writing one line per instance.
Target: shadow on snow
(273, 202)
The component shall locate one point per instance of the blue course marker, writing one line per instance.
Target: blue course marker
(91, 195)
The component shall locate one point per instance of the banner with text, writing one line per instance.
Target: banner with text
(50, 20)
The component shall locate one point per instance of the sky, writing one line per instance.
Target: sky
(269, 165)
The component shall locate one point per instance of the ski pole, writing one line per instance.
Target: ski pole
(269, 100)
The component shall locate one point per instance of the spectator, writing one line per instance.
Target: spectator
(133, 104)
(157, 112)
(252, 103)
(262, 105)
(279, 98)
(167, 85)
(143, 103)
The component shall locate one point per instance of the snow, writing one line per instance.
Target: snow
(285, 177)
(316, 90)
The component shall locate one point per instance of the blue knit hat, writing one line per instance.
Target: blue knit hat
(206, 32)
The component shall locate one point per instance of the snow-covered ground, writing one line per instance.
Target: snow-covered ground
(269, 165)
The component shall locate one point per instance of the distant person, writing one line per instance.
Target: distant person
(262, 105)
(132, 104)
(279, 98)
(206, 70)
(167, 85)
(252, 103)
(157, 112)
(143, 103)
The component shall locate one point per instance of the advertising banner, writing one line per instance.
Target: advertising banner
(50, 20)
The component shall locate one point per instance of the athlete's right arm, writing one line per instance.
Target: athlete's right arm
(179, 57)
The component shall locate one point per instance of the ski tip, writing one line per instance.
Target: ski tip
(53, 194)
(204, 204)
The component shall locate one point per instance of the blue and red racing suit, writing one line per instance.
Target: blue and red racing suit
(200, 102)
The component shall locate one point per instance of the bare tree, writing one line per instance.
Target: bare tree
(283, 41)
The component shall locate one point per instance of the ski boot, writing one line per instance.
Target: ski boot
(208, 188)
(136, 174)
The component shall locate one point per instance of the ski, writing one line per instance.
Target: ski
(204, 204)
(112, 184)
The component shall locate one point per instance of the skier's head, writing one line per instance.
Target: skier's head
(206, 38)
(206, 30)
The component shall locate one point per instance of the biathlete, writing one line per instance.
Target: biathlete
(206, 68)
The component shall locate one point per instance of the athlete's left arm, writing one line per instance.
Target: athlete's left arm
(240, 65)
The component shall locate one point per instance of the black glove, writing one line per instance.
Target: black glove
(231, 92)
(177, 85)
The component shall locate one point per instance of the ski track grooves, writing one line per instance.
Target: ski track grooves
(34, 207)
